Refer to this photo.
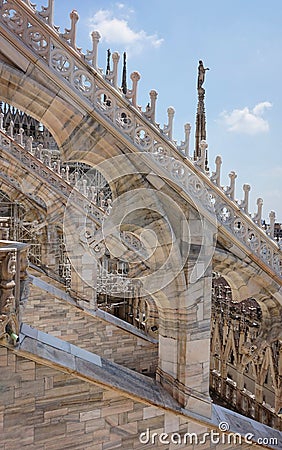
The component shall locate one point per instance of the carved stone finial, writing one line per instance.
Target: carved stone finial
(84, 187)
(201, 161)
(67, 173)
(258, 215)
(21, 135)
(150, 112)
(74, 19)
(11, 129)
(184, 146)
(135, 76)
(70, 34)
(153, 97)
(47, 13)
(58, 167)
(92, 56)
(230, 190)
(168, 129)
(244, 205)
(112, 75)
(272, 216)
(215, 176)
(132, 93)
(115, 58)
(29, 144)
(40, 152)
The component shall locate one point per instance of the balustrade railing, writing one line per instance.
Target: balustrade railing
(49, 174)
(112, 283)
(242, 401)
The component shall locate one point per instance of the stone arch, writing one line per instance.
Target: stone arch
(89, 181)
(247, 281)
(66, 122)
(40, 100)
(81, 137)
(245, 278)
(255, 349)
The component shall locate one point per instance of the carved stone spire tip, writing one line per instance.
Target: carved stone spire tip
(124, 75)
(201, 74)
(200, 132)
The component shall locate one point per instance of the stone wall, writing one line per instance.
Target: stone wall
(69, 323)
(42, 408)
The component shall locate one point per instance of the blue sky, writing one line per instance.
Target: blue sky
(240, 41)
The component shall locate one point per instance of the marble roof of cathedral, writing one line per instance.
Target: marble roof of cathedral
(54, 352)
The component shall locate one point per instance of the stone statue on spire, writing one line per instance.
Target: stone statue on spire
(201, 74)
(200, 152)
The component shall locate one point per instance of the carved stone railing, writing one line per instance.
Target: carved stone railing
(242, 401)
(62, 59)
(13, 287)
(63, 187)
(91, 185)
(49, 175)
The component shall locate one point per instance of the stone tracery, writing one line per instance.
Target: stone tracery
(139, 128)
(238, 371)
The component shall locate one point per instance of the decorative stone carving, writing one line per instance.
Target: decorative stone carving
(168, 129)
(132, 93)
(215, 176)
(151, 107)
(244, 205)
(49, 174)
(70, 34)
(258, 216)
(230, 190)
(47, 13)
(201, 161)
(91, 56)
(92, 86)
(240, 350)
(8, 308)
(112, 76)
(184, 146)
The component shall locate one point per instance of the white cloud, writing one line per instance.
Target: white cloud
(258, 110)
(247, 121)
(117, 31)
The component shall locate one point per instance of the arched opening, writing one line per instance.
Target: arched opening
(241, 377)
(89, 182)
(120, 295)
(74, 127)
(117, 294)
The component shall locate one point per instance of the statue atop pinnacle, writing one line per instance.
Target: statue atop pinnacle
(201, 74)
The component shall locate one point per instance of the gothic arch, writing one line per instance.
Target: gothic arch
(40, 100)
(81, 136)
